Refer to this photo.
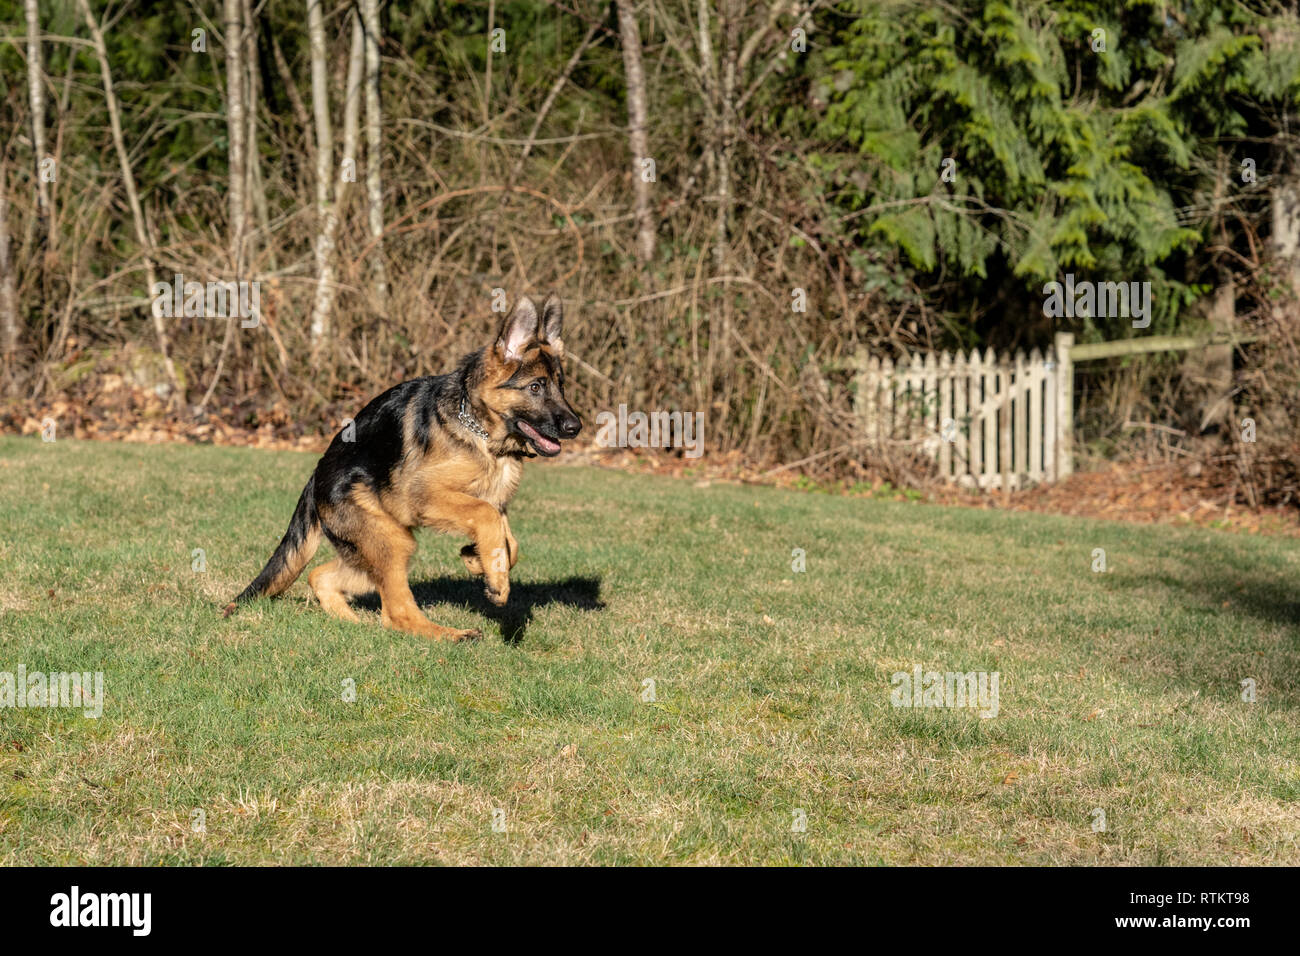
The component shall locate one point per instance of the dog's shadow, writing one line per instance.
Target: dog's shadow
(514, 618)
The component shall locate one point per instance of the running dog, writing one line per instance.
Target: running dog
(442, 452)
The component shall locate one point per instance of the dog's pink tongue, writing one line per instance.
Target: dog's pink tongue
(542, 442)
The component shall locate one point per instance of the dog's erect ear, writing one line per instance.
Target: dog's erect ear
(518, 331)
(552, 320)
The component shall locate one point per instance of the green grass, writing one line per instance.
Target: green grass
(1118, 691)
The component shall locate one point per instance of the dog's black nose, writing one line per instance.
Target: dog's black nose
(570, 425)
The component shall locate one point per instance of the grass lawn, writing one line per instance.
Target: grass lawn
(1119, 691)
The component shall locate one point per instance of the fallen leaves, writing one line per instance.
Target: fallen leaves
(109, 406)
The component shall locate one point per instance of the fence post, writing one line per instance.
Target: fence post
(944, 411)
(1064, 405)
(960, 394)
(1020, 422)
(1034, 406)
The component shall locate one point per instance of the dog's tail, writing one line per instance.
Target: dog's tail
(296, 549)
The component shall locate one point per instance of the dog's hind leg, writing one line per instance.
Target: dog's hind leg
(334, 582)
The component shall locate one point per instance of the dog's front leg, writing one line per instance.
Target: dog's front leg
(469, 554)
(480, 521)
(512, 546)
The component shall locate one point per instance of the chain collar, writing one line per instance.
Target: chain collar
(466, 418)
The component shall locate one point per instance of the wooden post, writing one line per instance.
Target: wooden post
(1020, 424)
(977, 417)
(929, 393)
(903, 398)
(961, 389)
(1050, 393)
(988, 419)
(1004, 426)
(1090, 351)
(1064, 405)
(945, 411)
(1034, 407)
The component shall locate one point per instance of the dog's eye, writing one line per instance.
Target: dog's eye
(535, 388)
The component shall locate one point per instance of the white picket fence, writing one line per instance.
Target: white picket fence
(990, 421)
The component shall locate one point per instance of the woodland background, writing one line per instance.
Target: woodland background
(795, 145)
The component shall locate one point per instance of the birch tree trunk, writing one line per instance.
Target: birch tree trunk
(630, 35)
(352, 109)
(374, 151)
(132, 196)
(235, 130)
(327, 218)
(36, 94)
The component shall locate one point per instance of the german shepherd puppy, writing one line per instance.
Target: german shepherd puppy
(439, 452)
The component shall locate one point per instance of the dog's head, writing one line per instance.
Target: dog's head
(524, 381)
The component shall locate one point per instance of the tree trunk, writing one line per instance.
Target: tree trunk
(132, 196)
(1213, 365)
(327, 219)
(630, 34)
(726, 135)
(1207, 372)
(36, 93)
(236, 128)
(254, 193)
(8, 300)
(352, 109)
(374, 150)
(1285, 202)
